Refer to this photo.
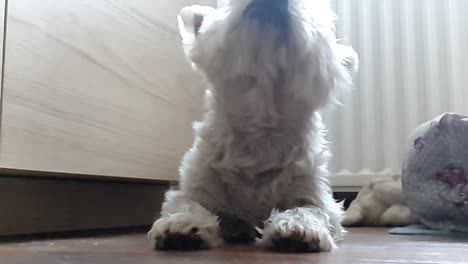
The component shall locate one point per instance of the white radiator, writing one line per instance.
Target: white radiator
(413, 66)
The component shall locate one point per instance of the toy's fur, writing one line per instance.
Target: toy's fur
(380, 203)
(260, 155)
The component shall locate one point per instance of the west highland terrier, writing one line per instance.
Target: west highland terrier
(257, 170)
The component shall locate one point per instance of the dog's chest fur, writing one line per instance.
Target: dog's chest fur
(253, 146)
(254, 171)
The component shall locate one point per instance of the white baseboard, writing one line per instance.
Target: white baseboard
(345, 181)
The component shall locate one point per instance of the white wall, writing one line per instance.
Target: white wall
(414, 66)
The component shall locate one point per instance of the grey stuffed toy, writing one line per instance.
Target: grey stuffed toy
(435, 173)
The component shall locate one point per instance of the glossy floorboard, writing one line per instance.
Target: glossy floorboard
(367, 246)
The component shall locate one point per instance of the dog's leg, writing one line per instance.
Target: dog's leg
(184, 225)
(302, 229)
(313, 226)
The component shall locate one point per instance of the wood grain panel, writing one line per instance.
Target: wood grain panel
(97, 87)
(2, 27)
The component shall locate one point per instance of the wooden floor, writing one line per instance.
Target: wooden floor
(361, 246)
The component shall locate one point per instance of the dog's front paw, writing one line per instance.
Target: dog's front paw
(182, 232)
(293, 231)
(177, 241)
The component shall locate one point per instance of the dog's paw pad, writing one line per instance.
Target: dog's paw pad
(294, 245)
(178, 241)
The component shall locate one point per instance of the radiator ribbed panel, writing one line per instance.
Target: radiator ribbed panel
(413, 67)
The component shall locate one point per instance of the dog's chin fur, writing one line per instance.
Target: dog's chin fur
(260, 153)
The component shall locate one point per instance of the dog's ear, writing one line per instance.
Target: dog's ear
(190, 22)
(349, 59)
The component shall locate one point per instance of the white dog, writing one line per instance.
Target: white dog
(259, 157)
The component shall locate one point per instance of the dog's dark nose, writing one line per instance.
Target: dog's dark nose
(273, 13)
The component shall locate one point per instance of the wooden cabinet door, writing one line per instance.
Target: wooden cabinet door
(97, 88)
(2, 27)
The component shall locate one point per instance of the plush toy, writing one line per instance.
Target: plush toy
(435, 173)
(379, 204)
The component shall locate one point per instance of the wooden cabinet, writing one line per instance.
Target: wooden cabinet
(97, 88)
(2, 27)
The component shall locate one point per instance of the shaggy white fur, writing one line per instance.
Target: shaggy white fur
(272, 65)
